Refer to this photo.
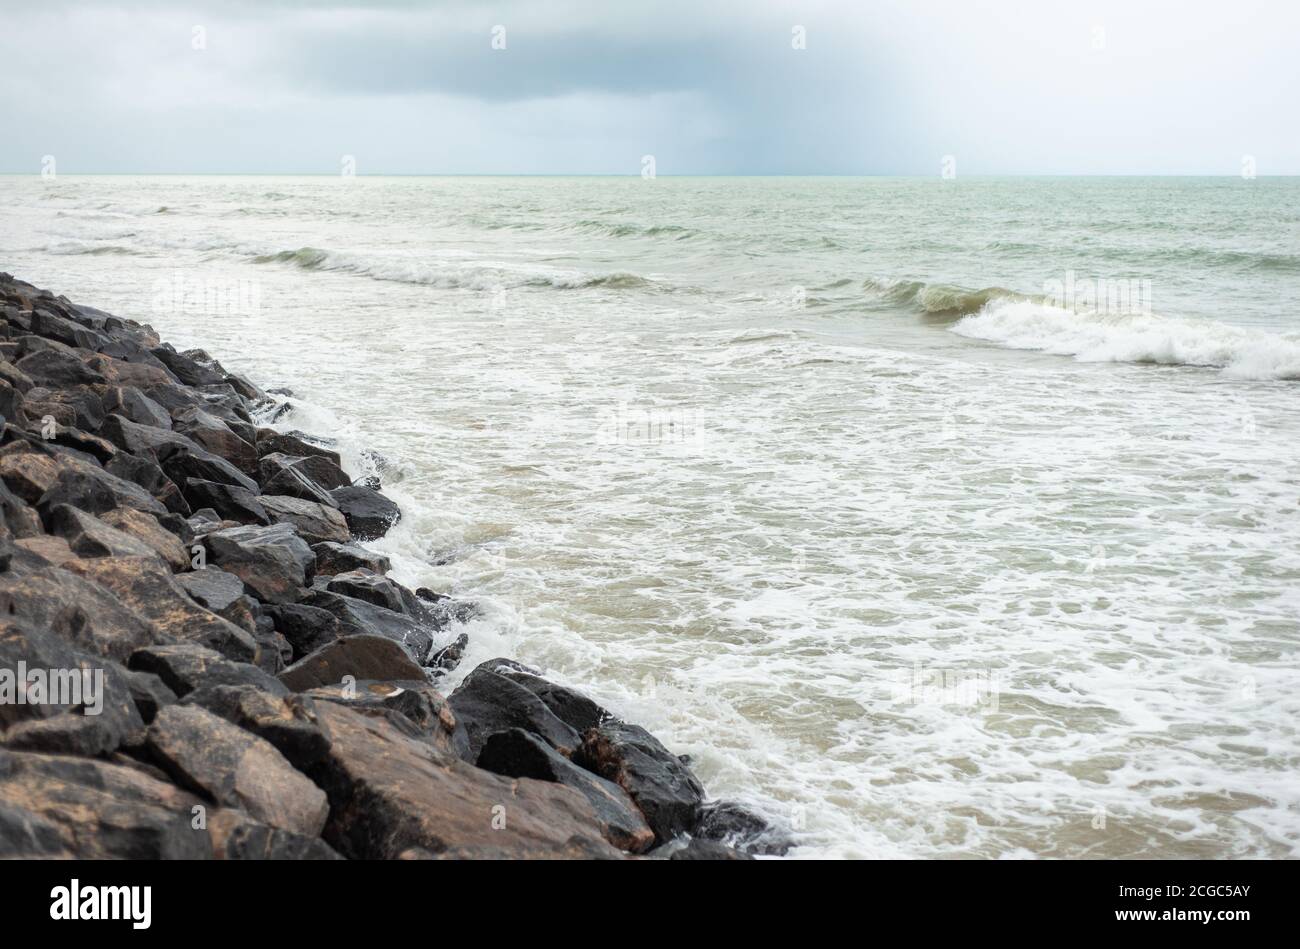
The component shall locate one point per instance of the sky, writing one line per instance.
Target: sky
(705, 87)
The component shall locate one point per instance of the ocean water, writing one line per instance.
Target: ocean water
(930, 518)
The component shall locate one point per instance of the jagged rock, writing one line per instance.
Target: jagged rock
(236, 836)
(442, 661)
(306, 628)
(20, 517)
(369, 514)
(150, 693)
(88, 536)
(415, 700)
(101, 450)
(230, 501)
(151, 441)
(186, 369)
(270, 442)
(149, 531)
(223, 594)
(235, 768)
(200, 465)
(130, 403)
(87, 615)
(129, 372)
(738, 827)
(379, 590)
(286, 721)
(315, 523)
(390, 793)
(517, 754)
(146, 586)
(44, 480)
(322, 471)
(488, 702)
(145, 473)
(358, 656)
(15, 377)
(569, 706)
(360, 617)
(57, 369)
(184, 667)
(53, 550)
(216, 436)
(663, 787)
(274, 562)
(702, 850)
(278, 474)
(57, 806)
(335, 558)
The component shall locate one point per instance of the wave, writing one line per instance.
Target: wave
(935, 299)
(1137, 338)
(675, 231)
(450, 276)
(79, 248)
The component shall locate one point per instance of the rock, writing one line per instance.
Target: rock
(215, 436)
(53, 550)
(369, 514)
(185, 667)
(274, 562)
(322, 471)
(57, 369)
(488, 702)
(149, 441)
(379, 590)
(278, 475)
(306, 628)
(146, 586)
(361, 617)
(569, 706)
(149, 531)
(443, 660)
(100, 450)
(235, 768)
(88, 536)
(663, 787)
(703, 850)
(57, 806)
(336, 558)
(150, 693)
(290, 443)
(43, 480)
(390, 793)
(423, 707)
(230, 501)
(148, 475)
(85, 614)
(315, 523)
(21, 519)
(359, 656)
(286, 721)
(517, 754)
(221, 593)
(236, 836)
(130, 403)
(738, 827)
(186, 369)
(201, 465)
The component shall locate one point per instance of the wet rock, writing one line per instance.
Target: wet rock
(186, 369)
(306, 628)
(568, 705)
(369, 514)
(702, 850)
(58, 806)
(736, 826)
(235, 768)
(274, 562)
(517, 754)
(663, 787)
(488, 702)
(236, 836)
(57, 369)
(146, 586)
(216, 436)
(315, 523)
(449, 656)
(422, 707)
(379, 590)
(278, 474)
(358, 656)
(361, 617)
(230, 501)
(336, 558)
(390, 793)
(286, 721)
(292, 443)
(185, 667)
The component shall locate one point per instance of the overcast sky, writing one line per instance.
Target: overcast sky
(706, 86)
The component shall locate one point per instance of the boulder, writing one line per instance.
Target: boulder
(88, 536)
(362, 617)
(184, 667)
(223, 594)
(274, 562)
(235, 768)
(147, 529)
(150, 693)
(145, 473)
(230, 501)
(517, 754)
(701, 850)
(186, 369)
(416, 701)
(315, 523)
(58, 806)
(358, 656)
(52, 550)
(278, 475)
(296, 444)
(736, 826)
(306, 628)
(488, 702)
(390, 793)
(569, 706)
(663, 787)
(335, 558)
(286, 721)
(146, 586)
(215, 436)
(183, 464)
(369, 514)
(130, 403)
(57, 369)
(236, 836)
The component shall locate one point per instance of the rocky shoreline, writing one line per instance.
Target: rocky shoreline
(198, 659)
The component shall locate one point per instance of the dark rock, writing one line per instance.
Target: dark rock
(390, 793)
(229, 501)
(379, 590)
(307, 628)
(663, 787)
(186, 369)
(361, 617)
(236, 836)
(274, 562)
(146, 586)
(315, 523)
(416, 701)
(88, 536)
(517, 754)
(358, 656)
(198, 464)
(185, 667)
(449, 656)
(702, 850)
(57, 369)
(130, 403)
(217, 437)
(148, 530)
(223, 594)
(738, 827)
(292, 443)
(145, 473)
(369, 514)
(286, 721)
(488, 702)
(278, 474)
(150, 693)
(150, 441)
(568, 705)
(336, 558)
(235, 768)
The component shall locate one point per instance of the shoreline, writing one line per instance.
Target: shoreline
(264, 689)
